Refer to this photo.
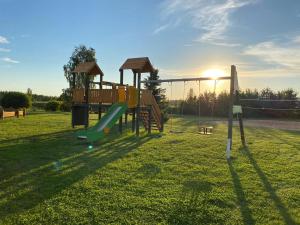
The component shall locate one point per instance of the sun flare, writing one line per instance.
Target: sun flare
(213, 73)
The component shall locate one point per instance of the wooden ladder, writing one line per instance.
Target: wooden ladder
(148, 100)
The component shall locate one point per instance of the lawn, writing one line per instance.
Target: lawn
(49, 177)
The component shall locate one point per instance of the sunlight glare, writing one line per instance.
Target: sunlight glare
(214, 74)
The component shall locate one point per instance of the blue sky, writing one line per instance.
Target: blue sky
(181, 37)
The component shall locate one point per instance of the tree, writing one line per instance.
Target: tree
(81, 54)
(158, 92)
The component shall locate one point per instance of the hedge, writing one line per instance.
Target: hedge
(15, 100)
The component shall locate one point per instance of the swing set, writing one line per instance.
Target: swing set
(234, 104)
(202, 129)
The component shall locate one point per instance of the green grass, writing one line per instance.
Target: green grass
(49, 177)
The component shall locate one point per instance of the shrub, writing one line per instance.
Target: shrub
(53, 106)
(39, 105)
(15, 100)
(65, 107)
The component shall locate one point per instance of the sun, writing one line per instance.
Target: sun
(213, 73)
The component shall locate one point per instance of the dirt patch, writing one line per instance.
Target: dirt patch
(276, 124)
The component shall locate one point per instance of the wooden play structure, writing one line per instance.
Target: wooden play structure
(10, 112)
(122, 100)
(132, 99)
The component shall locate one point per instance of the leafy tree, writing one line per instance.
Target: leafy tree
(288, 94)
(267, 93)
(81, 54)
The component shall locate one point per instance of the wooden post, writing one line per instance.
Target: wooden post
(134, 109)
(87, 88)
(230, 114)
(240, 118)
(162, 122)
(149, 119)
(100, 103)
(138, 106)
(121, 118)
(73, 86)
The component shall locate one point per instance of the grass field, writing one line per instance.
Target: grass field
(49, 177)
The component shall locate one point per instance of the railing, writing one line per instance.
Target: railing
(96, 96)
(147, 99)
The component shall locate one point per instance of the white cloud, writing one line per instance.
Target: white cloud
(9, 60)
(211, 18)
(4, 50)
(296, 39)
(3, 40)
(160, 29)
(278, 54)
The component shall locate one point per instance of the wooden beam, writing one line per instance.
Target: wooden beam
(186, 79)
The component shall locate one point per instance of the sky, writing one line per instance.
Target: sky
(182, 38)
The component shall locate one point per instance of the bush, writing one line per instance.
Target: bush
(65, 107)
(53, 106)
(15, 100)
(39, 105)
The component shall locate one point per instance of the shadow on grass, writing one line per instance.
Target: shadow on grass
(268, 187)
(30, 174)
(246, 213)
(192, 206)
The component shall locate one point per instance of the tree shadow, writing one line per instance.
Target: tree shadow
(31, 177)
(246, 212)
(268, 187)
(192, 205)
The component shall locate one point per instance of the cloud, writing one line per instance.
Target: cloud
(3, 40)
(211, 18)
(160, 29)
(282, 55)
(9, 60)
(4, 50)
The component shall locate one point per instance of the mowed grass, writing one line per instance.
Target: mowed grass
(49, 177)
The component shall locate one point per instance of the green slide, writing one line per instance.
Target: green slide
(107, 121)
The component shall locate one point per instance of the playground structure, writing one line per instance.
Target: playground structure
(234, 104)
(120, 98)
(123, 99)
(10, 112)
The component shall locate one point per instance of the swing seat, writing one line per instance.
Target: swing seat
(206, 130)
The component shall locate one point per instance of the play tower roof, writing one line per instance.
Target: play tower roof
(138, 65)
(90, 68)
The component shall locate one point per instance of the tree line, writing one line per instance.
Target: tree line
(256, 104)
